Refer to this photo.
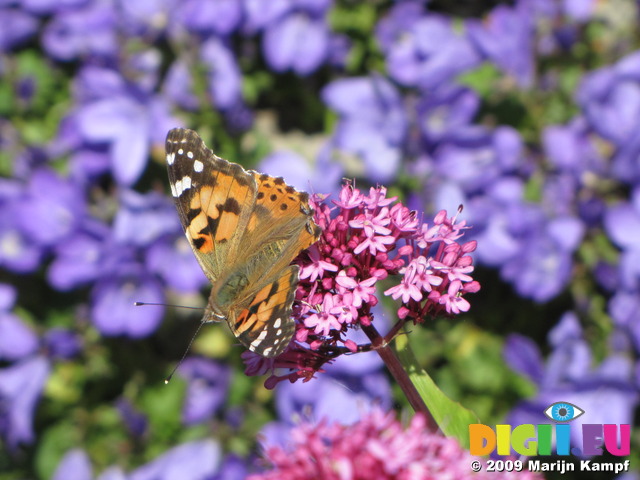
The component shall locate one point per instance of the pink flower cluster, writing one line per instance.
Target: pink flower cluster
(366, 239)
(375, 447)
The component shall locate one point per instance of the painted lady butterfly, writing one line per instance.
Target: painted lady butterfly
(245, 228)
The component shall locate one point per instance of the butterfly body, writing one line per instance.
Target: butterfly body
(245, 228)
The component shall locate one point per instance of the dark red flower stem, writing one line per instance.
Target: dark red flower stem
(400, 375)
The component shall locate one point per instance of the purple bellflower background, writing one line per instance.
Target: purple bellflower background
(525, 113)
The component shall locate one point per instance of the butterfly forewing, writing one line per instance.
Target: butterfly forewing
(245, 229)
(214, 199)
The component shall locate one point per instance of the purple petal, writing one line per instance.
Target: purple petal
(223, 73)
(568, 329)
(113, 311)
(8, 295)
(20, 387)
(260, 13)
(18, 27)
(298, 43)
(221, 17)
(177, 265)
(82, 32)
(622, 224)
(112, 473)
(523, 355)
(52, 210)
(178, 85)
(144, 218)
(207, 390)
(16, 339)
(567, 231)
(62, 344)
(201, 459)
(77, 261)
(75, 465)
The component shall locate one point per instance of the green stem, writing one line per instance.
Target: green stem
(398, 372)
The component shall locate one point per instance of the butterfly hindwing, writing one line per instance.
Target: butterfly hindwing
(265, 325)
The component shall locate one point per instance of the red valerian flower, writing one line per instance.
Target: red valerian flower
(378, 447)
(365, 239)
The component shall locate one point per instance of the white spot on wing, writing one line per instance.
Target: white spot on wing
(180, 186)
(190, 154)
(267, 351)
(258, 341)
(171, 157)
(277, 323)
(180, 152)
(279, 332)
(198, 166)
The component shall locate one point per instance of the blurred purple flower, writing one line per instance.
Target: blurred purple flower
(178, 85)
(90, 31)
(610, 100)
(18, 26)
(16, 253)
(78, 260)
(8, 296)
(112, 305)
(506, 38)
(261, 14)
(147, 18)
(335, 396)
(223, 73)
(541, 269)
(20, 387)
(572, 148)
(176, 265)
(444, 111)
(198, 460)
(477, 157)
(75, 465)
(322, 176)
(51, 209)
(221, 17)
(144, 218)
(622, 222)
(16, 339)
(62, 344)
(232, 468)
(42, 7)
(606, 394)
(427, 52)
(297, 42)
(579, 10)
(114, 113)
(135, 420)
(373, 123)
(403, 16)
(207, 388)
(624, 308)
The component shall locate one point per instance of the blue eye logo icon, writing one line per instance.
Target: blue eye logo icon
(563, 412)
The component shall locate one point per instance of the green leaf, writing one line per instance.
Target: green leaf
(452, 418)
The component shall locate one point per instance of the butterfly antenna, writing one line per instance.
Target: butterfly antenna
(184, 355)
(141, 304)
